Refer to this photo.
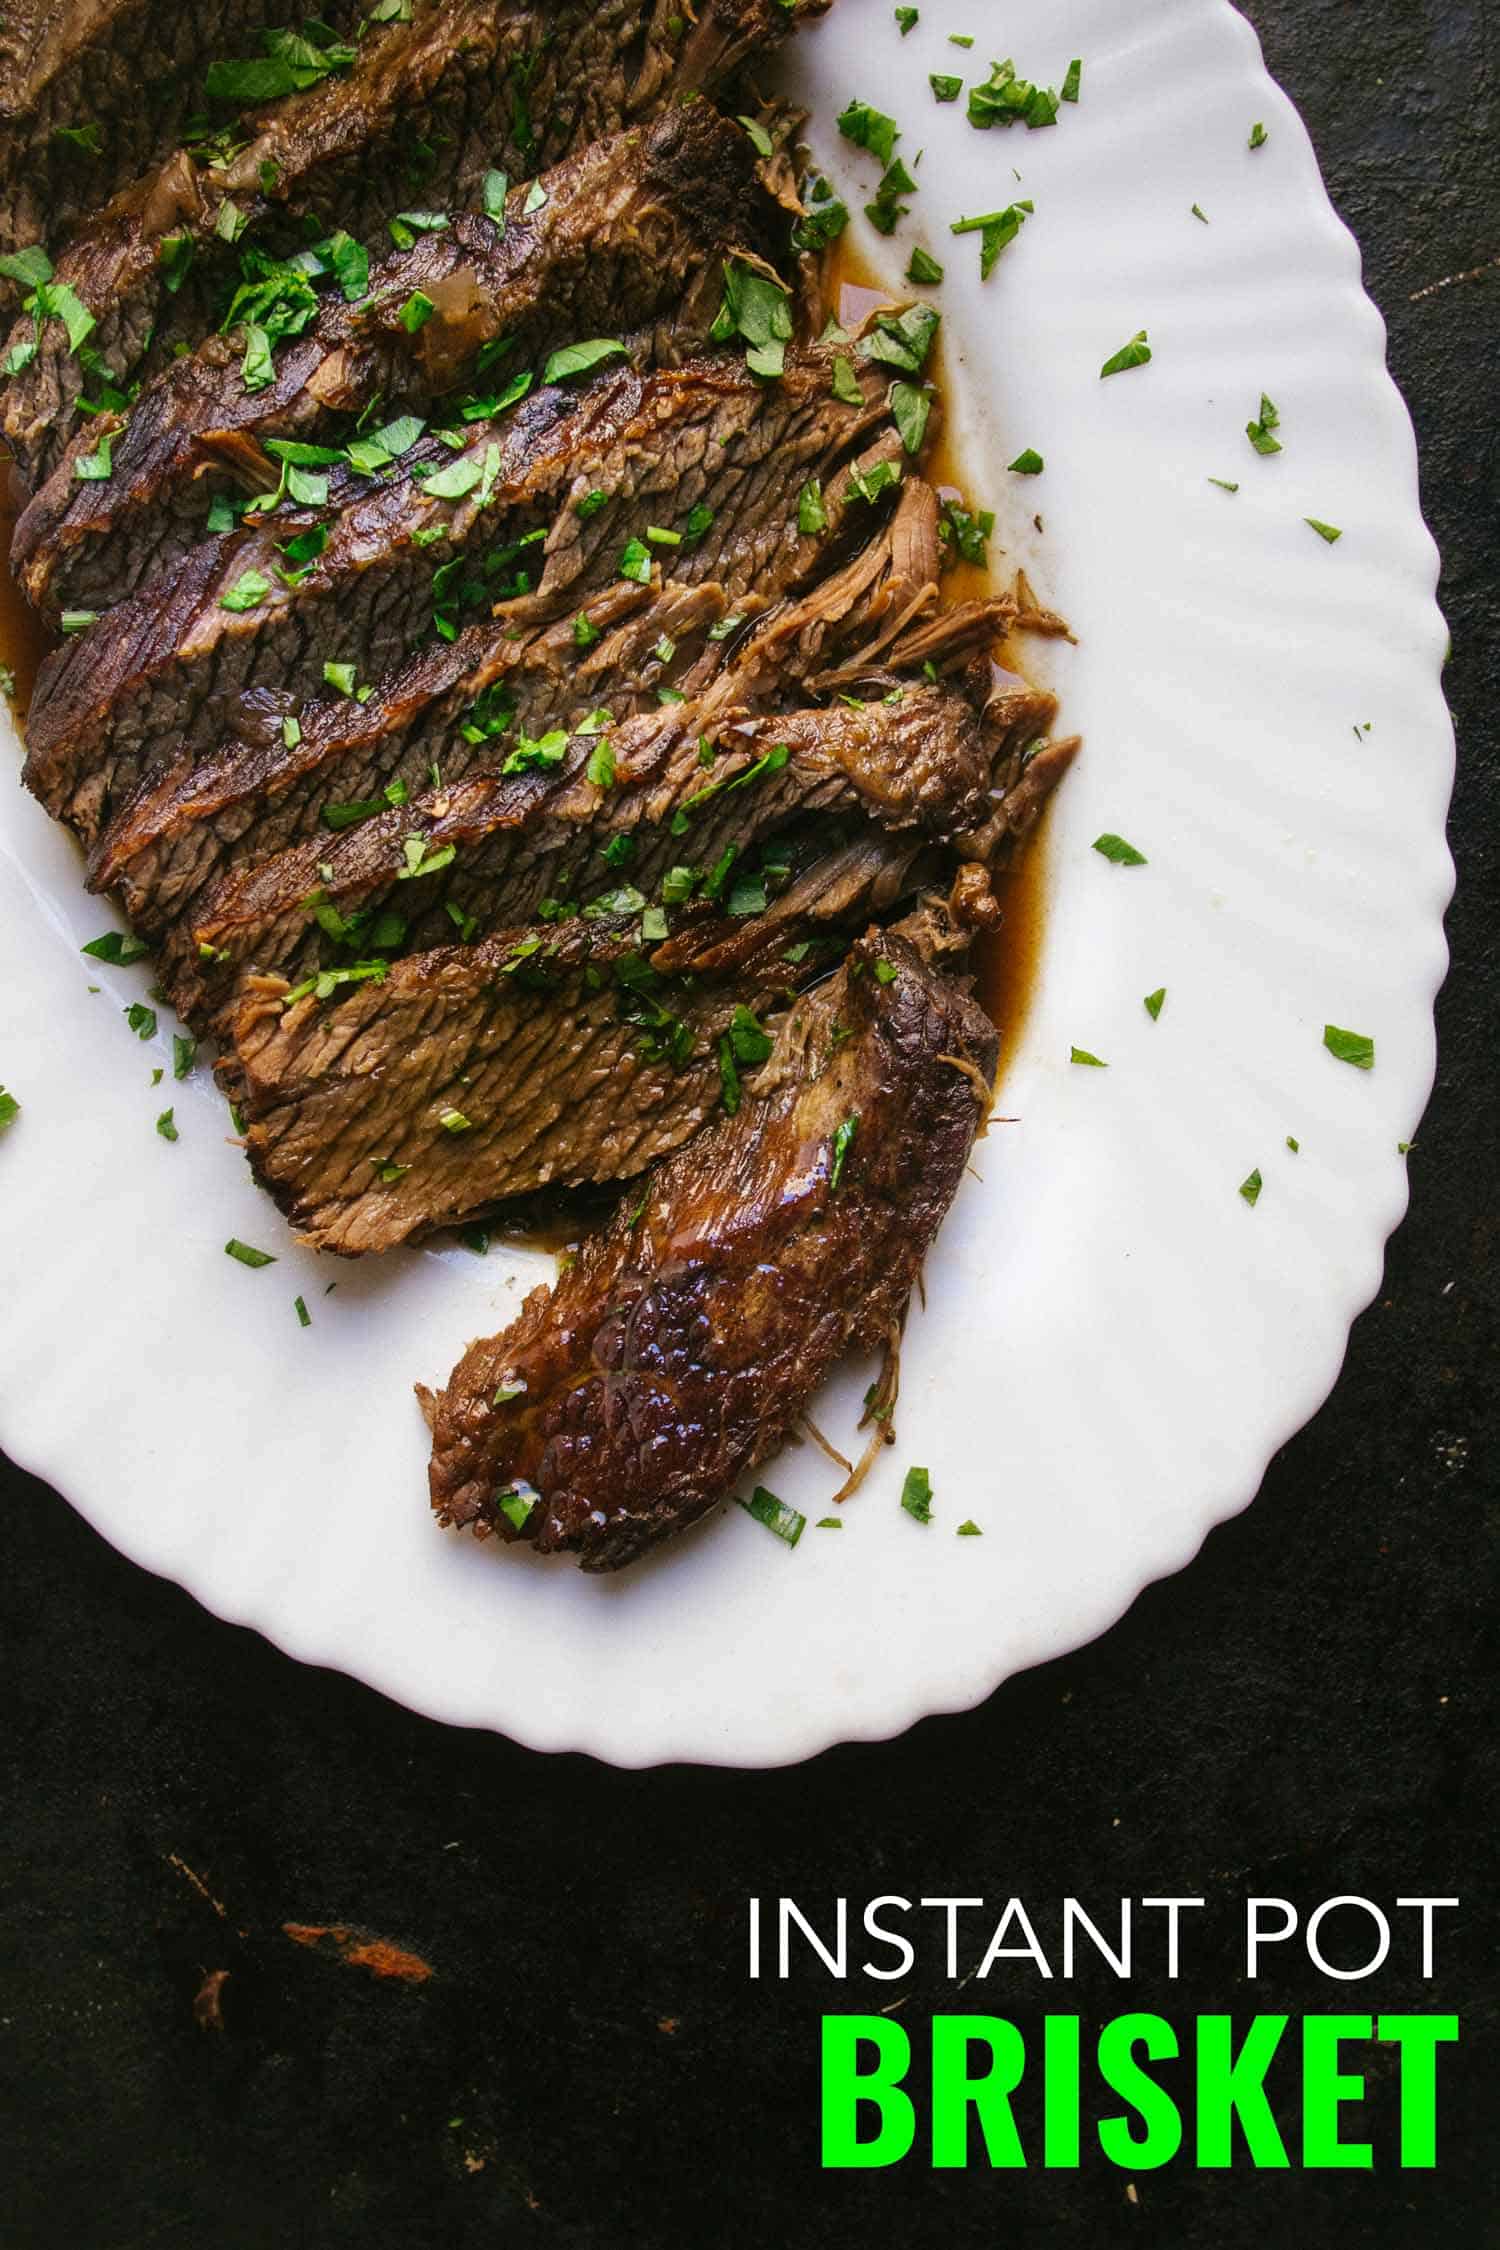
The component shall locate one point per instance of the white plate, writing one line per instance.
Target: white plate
(1114, 1341)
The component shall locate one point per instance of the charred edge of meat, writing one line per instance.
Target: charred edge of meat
(685, 1341)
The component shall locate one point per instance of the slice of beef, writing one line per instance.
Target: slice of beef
(491, 850)
(706, 446)
(428, 108)
(92, 91)
(541, 1057)
(258, 794)
(629, 239)
(680, 1348)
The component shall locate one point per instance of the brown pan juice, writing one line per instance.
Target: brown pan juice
(1005, 960)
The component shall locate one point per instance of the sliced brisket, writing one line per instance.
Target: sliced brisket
(92, 91)
(259, 789)
(491, 850)
(629, 239)
(427, 110)
(683, 1344)
(718, 454)
(544, 1056)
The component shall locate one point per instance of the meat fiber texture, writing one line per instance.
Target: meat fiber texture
(92, 91)
(425, 111)
(154, 671)
(627, 243)
(683, 1343)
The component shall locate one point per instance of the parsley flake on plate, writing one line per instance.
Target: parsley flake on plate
(916, 1495)
(1116, 849)
(1136, 353)
(787, 1522)
(1349, 1046)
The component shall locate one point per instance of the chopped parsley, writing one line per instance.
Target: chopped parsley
(904, 340)
(1349, 1046)
(1005, 99)
(419, 861)
(871, 129)
(845, 384)
(94, 468)
(772, 762)
(454, 481)
(869, 484)
(1082, 1055)
(248, 592)
(969, 1529)
(788, 1523)
(916, 1495)
(996, 231)
(842, 1141)
(906, 17)
(246, 1255)
(1224, 484)
(116, 947)
(1250, 1188)
(516, 1504)
(1261, 432)
(1134, 354)
(1328, 532)
(1072, 80)
(141, 1019)
(416, 312)
(454, 1121)
(911, 410)
(887, 210)
(1027, 464)
(184, 1053)
(944, 88)
(290, 64)
(923, 268)
(1153, 1002)
(635, 562)
(1116, 849)
(166, 1126)
(823, 221)
(965, 532)
(1258, 135)
(10, 1109)
(577, 359)
(758, 310)
(304, 1317)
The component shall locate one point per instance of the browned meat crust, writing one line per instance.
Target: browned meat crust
(681, 1347)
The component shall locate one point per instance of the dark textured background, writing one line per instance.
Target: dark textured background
(1308, 1709)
